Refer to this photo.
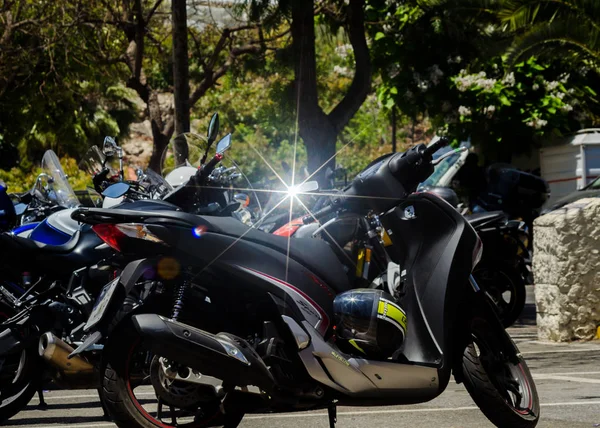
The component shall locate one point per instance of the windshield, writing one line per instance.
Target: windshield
(440, 170)
(443, 166)
(594, 185)
(183, 150)
(52, 183)
(154, 184)
(94, 161)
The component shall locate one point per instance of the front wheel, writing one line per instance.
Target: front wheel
(502, 387)
(20, 376)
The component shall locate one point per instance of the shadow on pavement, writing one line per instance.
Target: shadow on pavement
(65, 420)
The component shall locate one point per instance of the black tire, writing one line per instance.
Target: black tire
(122, 405)
(16, 393)
(487, 391)
(496, 279)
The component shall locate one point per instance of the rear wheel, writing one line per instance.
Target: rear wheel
(144, 390)
(20, 376)
(501, 387)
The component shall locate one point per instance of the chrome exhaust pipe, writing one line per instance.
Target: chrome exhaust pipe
(56, 352)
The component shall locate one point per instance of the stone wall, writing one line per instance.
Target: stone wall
(566, 268)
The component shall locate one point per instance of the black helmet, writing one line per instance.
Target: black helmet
(369, 323)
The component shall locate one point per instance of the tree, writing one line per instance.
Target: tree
(550, 28)
(319, 130)
(49, 96)
(145, 52)
(446, 59)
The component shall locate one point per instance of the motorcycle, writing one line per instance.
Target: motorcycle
(50, 193)
(47, 304)
(227, 320)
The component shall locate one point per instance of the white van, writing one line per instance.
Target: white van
(571, 163)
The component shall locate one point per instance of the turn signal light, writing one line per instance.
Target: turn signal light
(115, 234)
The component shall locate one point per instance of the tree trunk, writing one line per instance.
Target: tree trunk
(181, 67)
(320, 144)
(318, 130)
(161, 134)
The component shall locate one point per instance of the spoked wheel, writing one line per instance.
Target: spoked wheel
(505, 288)
(501, 386)
(145, 390)
(20, 377)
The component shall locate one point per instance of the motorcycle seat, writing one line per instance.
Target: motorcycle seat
(17, 243)
(314, 254)
(487, 218)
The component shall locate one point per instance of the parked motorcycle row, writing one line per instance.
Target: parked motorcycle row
(185, 304)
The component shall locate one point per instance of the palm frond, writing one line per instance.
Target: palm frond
(523, 13)
(490, 7)
(561, 35)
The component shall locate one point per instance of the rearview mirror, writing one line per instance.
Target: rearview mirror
(20, 208)
(224, 144)
(116, 190)
(109, 148)
(213, 128)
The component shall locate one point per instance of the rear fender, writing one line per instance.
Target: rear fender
(128, 279)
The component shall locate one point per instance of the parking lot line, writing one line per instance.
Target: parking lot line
(566, 378)
(398, 411)
(360, 413)
(561, 351)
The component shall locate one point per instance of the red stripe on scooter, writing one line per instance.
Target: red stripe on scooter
(324, 325)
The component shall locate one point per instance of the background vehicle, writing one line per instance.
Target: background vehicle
(592, 190)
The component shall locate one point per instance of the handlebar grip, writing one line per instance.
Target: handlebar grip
(319, 214)
(210, 166)
(442, 142)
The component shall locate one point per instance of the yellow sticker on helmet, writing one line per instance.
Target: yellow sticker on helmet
(391, 311)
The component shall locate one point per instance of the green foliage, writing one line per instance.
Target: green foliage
(21, 180)
(257, 106)
(449, 63)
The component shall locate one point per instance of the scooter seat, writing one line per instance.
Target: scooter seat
(314, 254)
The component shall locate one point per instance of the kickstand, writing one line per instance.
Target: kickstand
(332, 412)
(43, 403)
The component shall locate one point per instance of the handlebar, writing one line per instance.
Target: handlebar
(442, 142)
(210, 166)
(323, 212)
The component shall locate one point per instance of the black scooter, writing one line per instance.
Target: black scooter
(227, 320)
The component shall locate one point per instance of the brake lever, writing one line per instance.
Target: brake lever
(447, 155)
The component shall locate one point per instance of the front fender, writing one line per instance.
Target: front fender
(476, 305)
(11, 342)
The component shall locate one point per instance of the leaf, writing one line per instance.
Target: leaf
(379, 35)
(394, 90)
(504, 100)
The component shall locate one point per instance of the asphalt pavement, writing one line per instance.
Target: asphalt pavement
(567, 378)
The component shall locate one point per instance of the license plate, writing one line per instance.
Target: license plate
(101, 304)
